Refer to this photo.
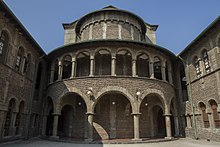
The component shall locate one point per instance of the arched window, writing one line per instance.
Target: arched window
(27, 63)
(123, 63)
(143, 65)
(38, 81)
(11, 107)
(157, 68)
(56, 70)
(216, 117)
(167, 72)
(67, 67)
(83, 64)
(183, 83)
(19, 59)
(103, 62)
(197, 67)
(19, 118)
(206, 61)
(4, 41)
(204, 115)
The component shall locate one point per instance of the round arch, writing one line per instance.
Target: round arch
(159, 94)
(72, 90)
(116, 89)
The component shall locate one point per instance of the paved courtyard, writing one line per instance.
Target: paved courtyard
(177, 143)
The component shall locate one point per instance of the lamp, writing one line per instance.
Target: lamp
(138, 93)
(90, 92)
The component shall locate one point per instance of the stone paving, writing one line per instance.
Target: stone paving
(187, 142)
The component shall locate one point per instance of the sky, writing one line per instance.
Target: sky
(180, 21)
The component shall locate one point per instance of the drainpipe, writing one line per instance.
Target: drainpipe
(190, 96)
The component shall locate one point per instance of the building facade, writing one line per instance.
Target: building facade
(110, 80)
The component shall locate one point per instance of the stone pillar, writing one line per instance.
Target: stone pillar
(176, 122)
(91, 66)
(211, 120)
(168, 126)
(113, 65)
(136, 127)
(151, 69)
(60, 70)
(170, 75)
(134, 68)
(55, 125)
(73, 68)
(90, 127)
(44, 125)
(163, 68)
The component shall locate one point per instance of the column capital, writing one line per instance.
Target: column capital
(55, 114)
(136, 113)
(113, 57)
(167, 114)
(90, 113)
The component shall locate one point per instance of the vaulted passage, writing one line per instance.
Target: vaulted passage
(113, 118)
(152, 120)
(72, 121)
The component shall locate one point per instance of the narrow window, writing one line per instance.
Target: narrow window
(206, 61)
(197, 67)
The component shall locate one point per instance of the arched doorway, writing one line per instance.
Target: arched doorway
(161, 127)
(8, 119)
(72, 121)
(113, 119)
(19, 119)
(49, 112)
(152, 121)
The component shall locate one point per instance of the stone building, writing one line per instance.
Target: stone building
(110, 80)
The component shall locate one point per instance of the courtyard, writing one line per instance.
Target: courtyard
(186, 142)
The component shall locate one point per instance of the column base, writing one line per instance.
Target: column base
(88, 140)
(136, 139)
(91, 75)
(168, 137)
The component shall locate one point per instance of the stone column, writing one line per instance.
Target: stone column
(91, 66)
(55, 125)
(170, 75)
(113, 65)
(52, 70)
(168, 126)
(176, 121)
(136, 127)
(163, 70)
(44, 125)
(151, 69)
(73, 68)
(211, 120)
(60, 70)
(134, 68)
(90, 127)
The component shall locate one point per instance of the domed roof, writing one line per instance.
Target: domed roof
(110, 8)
